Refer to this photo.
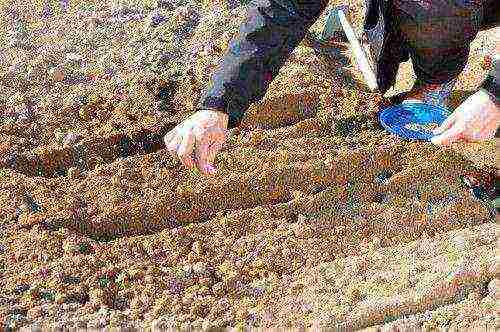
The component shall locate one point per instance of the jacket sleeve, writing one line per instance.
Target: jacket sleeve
(492, 82)
(491, 14)
(271, 31)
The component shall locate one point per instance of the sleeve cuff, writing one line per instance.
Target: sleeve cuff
(234, 119)
(491, 83)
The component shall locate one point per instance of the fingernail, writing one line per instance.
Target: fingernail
(210, 169)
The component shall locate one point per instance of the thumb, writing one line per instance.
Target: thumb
(206, 155)
(452, 135)
(447, 123)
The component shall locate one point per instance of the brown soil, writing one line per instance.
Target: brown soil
(317, 217)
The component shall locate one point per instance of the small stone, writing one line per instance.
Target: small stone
(56, 74)
(197, 248)
(204, 281)
(376, 242)
(218, 289)
(116, 180)
(34, 312)
(21, 288)
(353, 294)
(307, 308)
(73, 57)
(97, 297)
(34, 293)
(255, 136)
(60, 298)
(200, 269)
(73, 173)
(192, 257)
(297, 194)
(302, 231)
(24, 208)
(479, 193)
(69, 247)
(208, 325)
(381, 198)
(59, 135)
(188, 270)
(493, 287)
(15, 321)
(301, 218)
(23, 113)
(165, 322)
(71, 139)
(156, 18)
(315, 189)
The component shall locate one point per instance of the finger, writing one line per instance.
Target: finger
(211, 154)
(169, 136)
(172, 147)
(477, 136)
(447, 123)
(185, 150)
(201, 154)
(454, 134)
(205, 155)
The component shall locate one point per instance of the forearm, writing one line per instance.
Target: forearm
(267, 38)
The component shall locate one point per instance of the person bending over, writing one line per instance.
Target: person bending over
(435, 34)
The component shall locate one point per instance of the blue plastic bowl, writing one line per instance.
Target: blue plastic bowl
(396, 117)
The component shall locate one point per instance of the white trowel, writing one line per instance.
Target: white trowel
(336, 22)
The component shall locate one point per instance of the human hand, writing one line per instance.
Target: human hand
(203, 133)
(476, 119)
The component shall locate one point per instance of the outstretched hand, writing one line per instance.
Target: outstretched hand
(476, 119)
(203, 133)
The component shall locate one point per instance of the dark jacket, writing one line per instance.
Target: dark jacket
(270, 34)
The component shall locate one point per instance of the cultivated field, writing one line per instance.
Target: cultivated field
(317, 216)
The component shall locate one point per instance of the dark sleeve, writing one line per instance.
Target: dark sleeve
(271, 31)
(438, 34)
(491, 15)
(492, 82)
(491, 19)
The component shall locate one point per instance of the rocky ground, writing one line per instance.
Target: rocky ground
(317, 216)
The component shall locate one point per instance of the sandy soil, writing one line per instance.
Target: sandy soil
(316, 218)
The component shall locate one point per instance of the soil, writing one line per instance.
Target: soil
(317, 217)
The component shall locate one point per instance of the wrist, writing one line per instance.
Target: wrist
(488, 96)
(219, 113)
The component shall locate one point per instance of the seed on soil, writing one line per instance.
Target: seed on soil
(419, 127)
(59, 135)
(135, 211)
(84, 114)
(218, 289)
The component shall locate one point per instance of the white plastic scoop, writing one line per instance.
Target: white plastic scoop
(337, 19)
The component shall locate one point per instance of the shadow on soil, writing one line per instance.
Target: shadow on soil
(55, 161)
